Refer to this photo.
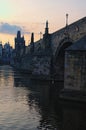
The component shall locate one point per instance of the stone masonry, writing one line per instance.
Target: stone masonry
(47, 56)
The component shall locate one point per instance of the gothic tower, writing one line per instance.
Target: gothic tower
(32, 43)
(47, 38)
(46, 29)
(19, 44)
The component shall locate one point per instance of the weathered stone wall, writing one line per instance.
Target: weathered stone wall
(73, 71)
(76, 30)
(41, 66)
(58, 39)
(26, 64)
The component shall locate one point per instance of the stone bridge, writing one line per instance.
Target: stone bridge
(45, 58)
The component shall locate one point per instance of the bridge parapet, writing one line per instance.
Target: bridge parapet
(49, 52)
(76, 30)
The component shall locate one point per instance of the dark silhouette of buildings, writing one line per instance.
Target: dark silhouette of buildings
(46, 57)
(19, 47)
(19, 44)
(6, 53)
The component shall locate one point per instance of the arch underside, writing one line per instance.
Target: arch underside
(59, 60)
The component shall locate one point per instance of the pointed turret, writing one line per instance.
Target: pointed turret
(46, 29)
(32, 43)
(19, 45)
(18, 34)
(66, 20)
(47, 38)
(32, 38)
(67, 27)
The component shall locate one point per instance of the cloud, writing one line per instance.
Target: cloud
(25, 30)
(11, 29)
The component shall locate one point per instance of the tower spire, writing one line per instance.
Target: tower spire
(47, 24)
(32, 43)
(66, 20)
(46, 29)
(18, 34)
(32, 37)
(67, 27)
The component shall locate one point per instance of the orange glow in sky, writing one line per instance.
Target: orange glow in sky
(31, 15)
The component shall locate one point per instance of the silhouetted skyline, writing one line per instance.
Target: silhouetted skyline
(29, 16)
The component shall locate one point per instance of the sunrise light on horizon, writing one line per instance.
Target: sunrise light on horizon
(30, 16)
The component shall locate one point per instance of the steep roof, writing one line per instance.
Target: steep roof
(79, 45)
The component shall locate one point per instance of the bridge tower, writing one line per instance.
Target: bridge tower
(19, 45)
(47, 38)
(32, 43)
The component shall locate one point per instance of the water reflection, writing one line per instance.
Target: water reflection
(43, 100)
(32, 105)
(74, 116)
(15, 113)
(55, 115)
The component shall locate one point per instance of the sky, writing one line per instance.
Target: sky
(31, 15)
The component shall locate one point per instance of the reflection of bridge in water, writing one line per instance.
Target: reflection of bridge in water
(21, 94)
(55, 114)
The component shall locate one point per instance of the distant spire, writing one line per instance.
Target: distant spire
(32, 43)
(66, 19)
(46, 29)
(32, 38)
(67, 27)
(18, 34)
(47, 24)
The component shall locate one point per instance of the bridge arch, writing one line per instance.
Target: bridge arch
(64, 43)
(59, 58)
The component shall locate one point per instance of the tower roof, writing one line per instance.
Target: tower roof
(47, 24)
(19, 34)
(46, 29)
(32, 37)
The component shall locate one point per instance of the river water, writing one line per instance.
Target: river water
(32, 105)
